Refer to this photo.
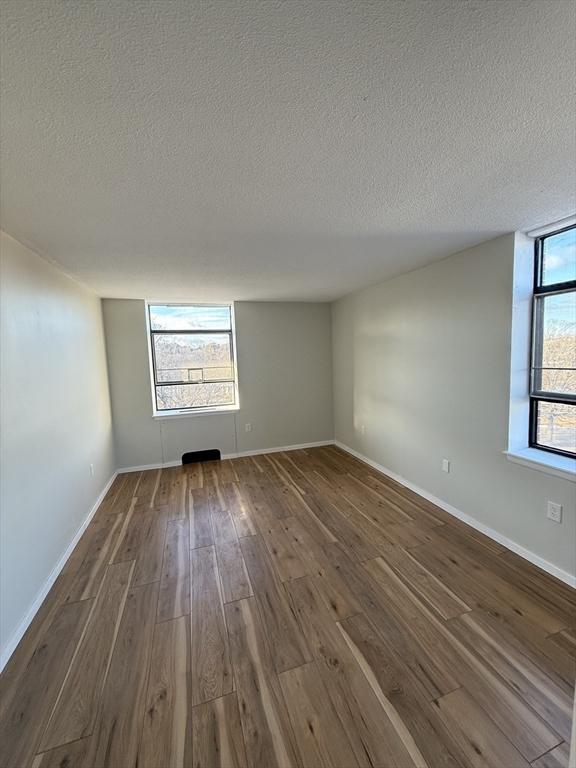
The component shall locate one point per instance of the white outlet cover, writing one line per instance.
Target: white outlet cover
(554, 512)
(445, 465)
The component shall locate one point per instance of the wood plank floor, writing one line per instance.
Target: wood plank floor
(289, 609)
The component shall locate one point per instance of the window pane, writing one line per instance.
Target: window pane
(559, 258)
(195, 395)
(556, 426)
(558, 343)
(191, 357)
(190, 318)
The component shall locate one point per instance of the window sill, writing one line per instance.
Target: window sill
(197, 412)
(549, 463)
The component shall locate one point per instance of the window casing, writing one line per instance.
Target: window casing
(553, 358)
(192, 358)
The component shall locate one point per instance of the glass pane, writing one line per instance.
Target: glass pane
(189, 318)
(191, 357)
(556, 426)
(195, 395)
(559, 258)
(558, 342)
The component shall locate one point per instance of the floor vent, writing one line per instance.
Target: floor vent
(194, 456)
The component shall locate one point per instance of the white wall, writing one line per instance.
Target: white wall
(284, 375)
(56, 421)
(423, 361)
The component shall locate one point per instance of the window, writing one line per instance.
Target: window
(192, 357)
(553, 364)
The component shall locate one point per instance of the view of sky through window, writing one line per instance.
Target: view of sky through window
(559, 258)
(170, 317)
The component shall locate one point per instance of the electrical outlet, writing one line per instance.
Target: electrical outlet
(554, 512)
(91, 470)
(248, 427)
(363, 429)
(445, 465)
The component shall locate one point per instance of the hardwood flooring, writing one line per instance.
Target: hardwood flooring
(289, 609)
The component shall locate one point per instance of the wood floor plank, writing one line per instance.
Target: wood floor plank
(285, 558)
(376, 508)
(233, 572)
(211, 670)
(67, 756)
(238, 504)
(531, 735)
(142, 540)
(194, 475)
(151, 538)
(551, 700)
(25, 718)
(147, 486)
(232, 568)
(287, 642)
(116, 735)
(425, 584)
(321, 740)
(93, 568)
(127, 491)
(553, 660)
(333, 589)
(538, 581)
(410, 638)
(391, 489)
(473, 581)
(217, 740)
(37, 632)
(358, 545)
(167, 732)
(405, 696)
(200, 520)
(366, 723)
(484, 744)
(172, 489)
(223, 527)
(565, 640)
(77, 706)
(556, 758)
(265, 724)
(174, 596)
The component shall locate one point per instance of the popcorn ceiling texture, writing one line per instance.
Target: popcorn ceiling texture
(279, 150)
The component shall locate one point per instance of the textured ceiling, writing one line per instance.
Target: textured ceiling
(280, 150)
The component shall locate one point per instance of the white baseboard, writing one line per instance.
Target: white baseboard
(237, 455)
(533, 558)
(18, 634)
(143, 467)
(261, 451)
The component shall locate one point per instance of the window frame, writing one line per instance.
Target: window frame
(536, 394)
(160, 413)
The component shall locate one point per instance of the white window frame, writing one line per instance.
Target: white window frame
(190, 412)
(519, 450)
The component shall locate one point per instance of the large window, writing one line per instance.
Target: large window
(192, 357)
(553, 369)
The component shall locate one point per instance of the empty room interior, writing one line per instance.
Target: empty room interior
(288, 383)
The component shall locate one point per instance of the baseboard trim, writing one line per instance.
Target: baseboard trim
(518, 549)
(18, 634)
(262, 451)
(238, 455)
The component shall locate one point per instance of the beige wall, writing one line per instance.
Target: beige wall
(423, 362)
(284, 375)
(55, 422)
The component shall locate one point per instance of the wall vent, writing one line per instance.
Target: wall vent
(213, 454)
